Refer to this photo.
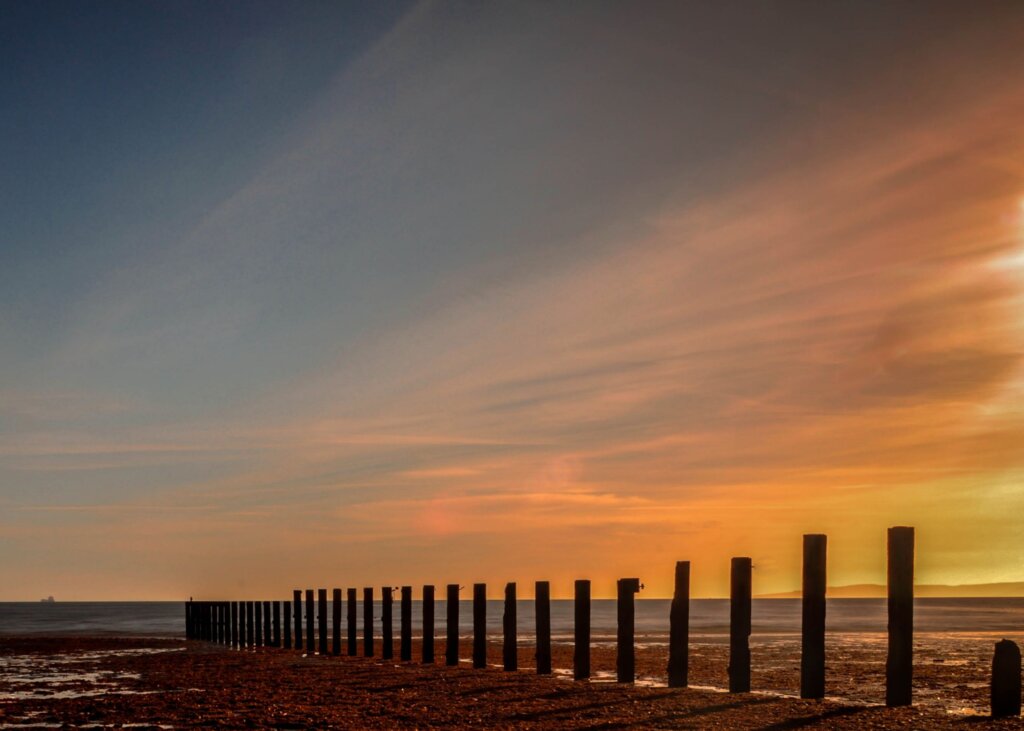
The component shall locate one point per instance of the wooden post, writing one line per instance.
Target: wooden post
(581, 650)
(542, 603)
(899, 667)
(336, 622)
(259, 623)
(428, 624)
(234, 625)
(679, 629)
(1006, 680)
(479, 625)
(626, 657)
(188, 620)
(387, 651)
(287, 625)
(368, 621)
(510, 647)
(739, 626)
(218, 624)
(353, 642)
(241, 625)
(812, 656)
(451, 653)
(268, 640)
(297, 610)
(310, 634)
(250, 626)
(277, 623)
(405, 648)
(321, 616)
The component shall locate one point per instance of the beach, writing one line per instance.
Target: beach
(52, 682)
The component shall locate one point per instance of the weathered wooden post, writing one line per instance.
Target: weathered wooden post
(542, 604)
(451, 653)
(740, 625)
(679, 629)
(250, 625)
(387, 650)
(336, 622)
(353, 642)
(288, 625)
(1006, 680)
(222, 615)
(310, 634)
(626, 656)
(277, 623)
(188, 620)
(259, 623)
(268, 640)
(899, 666)
(368, 621)
(479, 625)
(234, 625)
(297, 610)
(217, 623)
(812, 656)
(428, 624)
(321, 616)
(510, 646)
(405, 646)
(241, 625)
(581, 629)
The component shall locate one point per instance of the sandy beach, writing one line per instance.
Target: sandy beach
(166, 683)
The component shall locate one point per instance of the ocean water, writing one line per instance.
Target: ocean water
(708, 617)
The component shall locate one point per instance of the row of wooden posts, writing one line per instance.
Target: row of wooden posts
(249, 624)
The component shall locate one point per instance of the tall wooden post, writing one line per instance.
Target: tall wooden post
(321, 616)
(250, 627)
(268, 640)
(336, 622)
(542, 604)
(297, 610)
(899, 667)
(509, 625)
(451, 653)
(259, 623)
(387, 641)
(368, 621)
(310, 635)
(352, 617)
(740, 626)
(679, 629)
(287, 625)
(277, 623)
(581, 629)
(405, 645)
(1006, 680)
(234, 625)
(812, 656)
(626, 656)
(479, 625)
(428, 624)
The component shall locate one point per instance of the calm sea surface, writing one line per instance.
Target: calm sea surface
(707, 617)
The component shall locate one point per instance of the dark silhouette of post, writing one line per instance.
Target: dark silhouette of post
(510, 636)
(310, 636)
(336, 622)
(739, 626)
(405, 643)
(368, 621)
(188, 620)
(387, 642)
(234, 625)
(277, 623)
(1006, 680)
(451, 652)
(625, 663)
(268, 640)
(479, 625)
(241, 625)
(542, 604)
(250, 627)
(352, 617)
(287, 625)
(297, 608)
(428, 624)
(679, 629)
(812, 655)
(899, 666)
(259, 623)
(321, 617)
(581, 650)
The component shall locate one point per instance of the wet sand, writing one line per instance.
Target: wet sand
(152, 683)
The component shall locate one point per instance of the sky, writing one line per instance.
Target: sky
(346, 294)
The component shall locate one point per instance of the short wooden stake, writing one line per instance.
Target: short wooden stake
(625, 664)
(259, 623)
(288, 625)
(1006, 680)
(405, 644)
(297, 612)
(250, 627)
(812, 655)
(509, 625)
(899, 666)
(740, 625)
(321, 618)
(387, 651)
(336, 622)
(542, 603)
(679, 629)
(451, 653)
(428, 625)
(581, 630)
(352, 623)
(310, 634)
(268, 639)
(368, 621)
(479, 625)
(277, 623)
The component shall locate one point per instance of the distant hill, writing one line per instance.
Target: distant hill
(1002, 589)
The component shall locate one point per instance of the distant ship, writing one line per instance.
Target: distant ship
(48, 600)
